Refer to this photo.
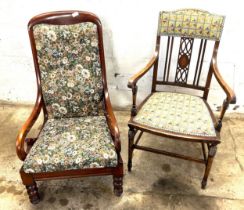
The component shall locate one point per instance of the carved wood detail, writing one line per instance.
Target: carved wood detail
(32, 191)
(118, 185)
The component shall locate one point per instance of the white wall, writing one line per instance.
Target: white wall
(129, 38)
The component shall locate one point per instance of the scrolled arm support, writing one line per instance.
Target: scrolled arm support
(20, 141)
(112, 123)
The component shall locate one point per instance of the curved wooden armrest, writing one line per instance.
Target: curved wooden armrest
(112, 123)
(133, 80)
(231, 97)
(26, 128)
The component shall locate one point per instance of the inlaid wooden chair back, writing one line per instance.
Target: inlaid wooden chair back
(186, 32)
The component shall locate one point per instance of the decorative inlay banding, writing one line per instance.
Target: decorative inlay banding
(183, 61)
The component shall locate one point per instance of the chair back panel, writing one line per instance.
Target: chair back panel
(70, 69)
(186, 33)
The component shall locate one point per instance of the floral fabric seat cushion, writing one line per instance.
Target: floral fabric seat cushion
(72, 143)
(175, 112)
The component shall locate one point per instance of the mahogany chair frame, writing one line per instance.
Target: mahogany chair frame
(208, 144)
(29, 179)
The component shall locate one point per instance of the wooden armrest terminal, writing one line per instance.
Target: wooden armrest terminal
(133, 80)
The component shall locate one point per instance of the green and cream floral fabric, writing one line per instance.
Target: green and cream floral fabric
(191, 23)
(72, 143)
(71, 77)
(175, 112)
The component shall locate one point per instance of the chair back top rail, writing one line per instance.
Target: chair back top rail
(188, 25)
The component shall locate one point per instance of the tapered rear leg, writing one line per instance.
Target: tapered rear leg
(131, 136)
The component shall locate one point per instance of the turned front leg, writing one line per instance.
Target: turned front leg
(134, 93)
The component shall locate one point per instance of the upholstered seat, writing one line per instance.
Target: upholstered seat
(176, 112)
(72, 143)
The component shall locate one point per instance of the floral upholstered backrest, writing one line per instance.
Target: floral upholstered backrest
(191, 23)
(70, 69)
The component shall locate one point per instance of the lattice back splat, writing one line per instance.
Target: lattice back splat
(184, 59)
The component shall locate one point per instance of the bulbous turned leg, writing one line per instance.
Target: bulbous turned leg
(131, 135)
(211, 154)
(32, 191)
(118, 185)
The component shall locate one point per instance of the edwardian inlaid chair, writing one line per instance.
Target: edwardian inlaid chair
(80, 136)
(181, 116)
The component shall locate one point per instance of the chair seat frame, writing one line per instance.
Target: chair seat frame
(23, 144)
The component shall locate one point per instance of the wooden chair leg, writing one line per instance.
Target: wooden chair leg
(31, 187)
(211, 154)
(131, 135)
(118, 185)
(32, 191)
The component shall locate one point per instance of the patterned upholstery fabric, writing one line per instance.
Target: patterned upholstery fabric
(176, 112)
(72, 143)
(191, 23)
(71, 77)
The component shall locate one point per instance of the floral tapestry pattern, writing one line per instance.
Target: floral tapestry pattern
(176, 112)
(69, 62)
(72, 143)
(191, 23)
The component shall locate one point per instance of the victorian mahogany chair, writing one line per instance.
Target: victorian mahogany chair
(185, 117)
(80, 136)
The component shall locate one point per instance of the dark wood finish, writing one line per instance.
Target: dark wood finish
(170, 44)
(155, 64)
(180, 85)
(29, 180)
(118, 185)
(133, 80)
(200, 58)
(131, 135)
(181, 76)
(171, 154)
(211, 154)
(32, 191)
